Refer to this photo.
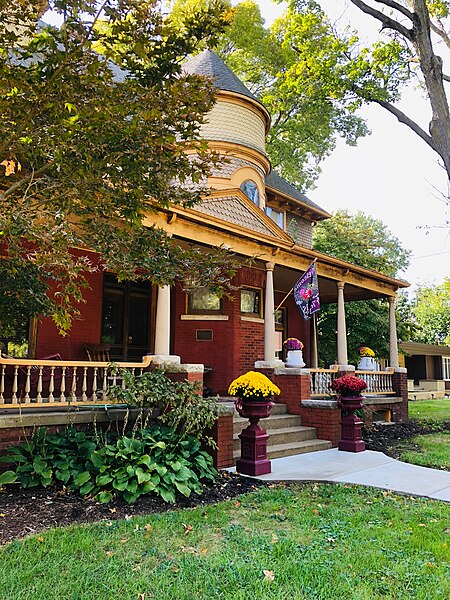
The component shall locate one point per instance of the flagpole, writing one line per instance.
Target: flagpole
(284, 299)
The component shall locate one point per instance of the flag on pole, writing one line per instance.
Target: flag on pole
(306, 292)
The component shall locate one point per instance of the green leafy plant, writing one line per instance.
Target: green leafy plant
(179, 403)
(7, 477)
(148, 460)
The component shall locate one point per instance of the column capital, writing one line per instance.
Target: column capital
(270, 266)
(392, 299)
(340, 285)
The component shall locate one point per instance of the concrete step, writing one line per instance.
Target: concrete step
(284, 436)
(272, 423)
(293, 448)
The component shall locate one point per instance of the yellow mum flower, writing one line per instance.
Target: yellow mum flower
(253, 385)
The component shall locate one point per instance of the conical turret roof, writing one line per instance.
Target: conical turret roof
(209, 64)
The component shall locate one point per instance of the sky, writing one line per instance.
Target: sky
(391, 175)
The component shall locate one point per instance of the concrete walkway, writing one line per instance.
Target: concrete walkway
(364, 468)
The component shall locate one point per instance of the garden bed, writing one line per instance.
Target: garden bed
(25, 512)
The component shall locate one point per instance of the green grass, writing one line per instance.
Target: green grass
(430, 410)
(434, 451)
(302, 542)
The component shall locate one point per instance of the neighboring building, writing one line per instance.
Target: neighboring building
(428, 368)
(254, 212)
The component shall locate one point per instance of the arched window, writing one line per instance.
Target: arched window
(250, 189)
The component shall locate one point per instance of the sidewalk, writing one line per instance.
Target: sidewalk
(364, 468)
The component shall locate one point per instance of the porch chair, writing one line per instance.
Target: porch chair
(98, 352)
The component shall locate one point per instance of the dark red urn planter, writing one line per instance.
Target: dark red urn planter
(351, 424)
(253, 459)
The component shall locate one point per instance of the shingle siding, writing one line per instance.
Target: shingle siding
(299, 229)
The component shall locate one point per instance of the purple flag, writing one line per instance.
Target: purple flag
(306, 292)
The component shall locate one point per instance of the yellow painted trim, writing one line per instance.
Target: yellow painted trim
(234, 150)
(195, 226)
(324, 214)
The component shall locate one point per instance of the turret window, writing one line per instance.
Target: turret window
(250, 189)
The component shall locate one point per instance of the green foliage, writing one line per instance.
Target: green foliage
(149, 460)
(179, 403)
(7, 477)
(89, 148)
(367, 242)
(362, 240)
(430, 309)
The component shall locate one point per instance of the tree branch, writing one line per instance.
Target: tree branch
(441, 33)
(445, 77)
(23, 181)
(396, 6)
(386, 21)
(403, 118)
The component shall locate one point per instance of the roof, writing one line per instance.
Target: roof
(209, 64)
(418, 348)
(274, 181)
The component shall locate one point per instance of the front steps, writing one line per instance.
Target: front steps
(287, 435)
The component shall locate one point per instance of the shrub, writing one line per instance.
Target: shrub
(179, 403)
(149, 460)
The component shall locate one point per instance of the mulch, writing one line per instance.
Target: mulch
(29, 511)
(26, 512)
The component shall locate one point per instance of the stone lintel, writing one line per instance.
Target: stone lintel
(159, 360)
(291, 371)
(374, 400)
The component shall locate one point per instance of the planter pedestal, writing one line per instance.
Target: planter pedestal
(253, 459)
(351, 425)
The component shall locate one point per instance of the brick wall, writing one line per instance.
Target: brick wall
(400, 385)
(326, 421)
(223, 436)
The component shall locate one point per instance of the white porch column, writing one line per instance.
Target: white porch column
(313, 342)
(162, 333)
(341, 326)
(269, 315)
(393, 344)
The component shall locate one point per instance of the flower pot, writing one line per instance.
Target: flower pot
(367, 363)
(253, 459)
(295, 359)
(351, 424)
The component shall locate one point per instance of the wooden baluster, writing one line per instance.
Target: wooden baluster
(15, 385)
(73, 391)
(94, 385)
(51, 385)
(84, 386)
(2, 385)
(28, 385)
(123, 383)
(39, 387)
(62, 389)
(105, 384)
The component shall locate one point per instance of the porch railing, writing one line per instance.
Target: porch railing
(378, 382)
(320, 381)
(31, 382)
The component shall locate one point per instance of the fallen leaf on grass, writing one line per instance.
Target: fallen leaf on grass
(148, 527)
(315, 512)
(109, 553)
(40, 539)
(189, 549)
(187, 528)
(422, 525)
(268, 575)
(124, 541)
(113, 510)
(274, 538)
(204, 551)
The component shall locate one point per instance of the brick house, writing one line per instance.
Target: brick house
(255, 213)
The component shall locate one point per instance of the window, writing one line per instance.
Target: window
(204, 301)
(446, 367)
(251, 302)
(280, 332)
(277, 216)
(250, 189)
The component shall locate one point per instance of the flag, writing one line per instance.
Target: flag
(306, 292)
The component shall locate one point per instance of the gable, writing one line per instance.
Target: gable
(235, 208)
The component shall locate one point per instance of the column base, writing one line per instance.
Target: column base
(165, 359)
(269, 364)
(351, 445)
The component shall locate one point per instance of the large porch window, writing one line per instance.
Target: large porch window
(126, 318)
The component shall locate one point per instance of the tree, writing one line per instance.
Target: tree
(367, 242)
(419, 29)
(91, 143)
(292, 67)
(430, 308)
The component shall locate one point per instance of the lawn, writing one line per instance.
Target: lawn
(430, 410)
(432, 450)
(299, 542)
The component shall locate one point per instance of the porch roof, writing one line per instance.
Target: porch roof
(417, 348)
(290, 259)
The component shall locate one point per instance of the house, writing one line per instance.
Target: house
(257, 214)
(428, 367)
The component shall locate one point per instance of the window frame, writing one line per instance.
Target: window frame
(251, 288)
(202, 311)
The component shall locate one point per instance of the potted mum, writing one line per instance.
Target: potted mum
(254, 393)
(294, 349)
(367, 359)
(349, 388)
